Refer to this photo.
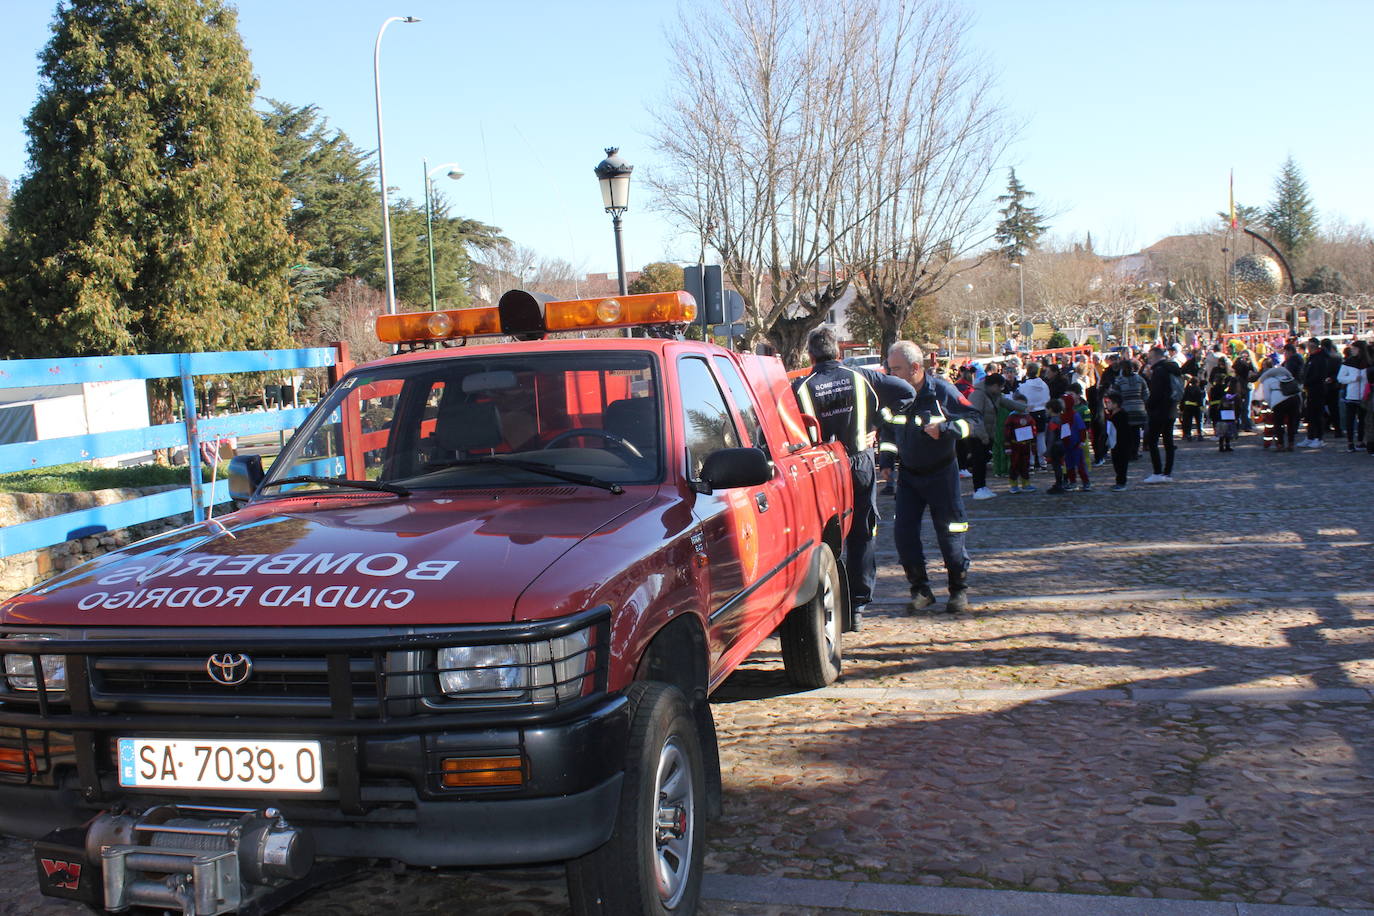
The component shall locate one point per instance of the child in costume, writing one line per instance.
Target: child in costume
(1018, 432)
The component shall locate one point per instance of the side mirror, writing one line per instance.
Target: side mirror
(728, 468)
(245, 473)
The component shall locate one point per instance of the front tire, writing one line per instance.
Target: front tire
(811, 633)
(652, 863)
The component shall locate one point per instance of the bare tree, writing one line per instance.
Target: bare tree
(800, 125)
(521, 267)
(934, 137)
(350, 315)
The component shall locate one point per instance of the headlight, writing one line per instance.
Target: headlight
(538, 671)
(19, 671)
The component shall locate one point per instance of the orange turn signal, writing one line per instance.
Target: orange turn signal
(14, 760)
(415, 327)
(479, 772)
(619, 311)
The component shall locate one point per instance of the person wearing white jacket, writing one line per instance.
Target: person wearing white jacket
(1353, 376)
(1037, 395)
(1284, 407)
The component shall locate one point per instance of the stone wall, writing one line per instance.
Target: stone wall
(22, 570)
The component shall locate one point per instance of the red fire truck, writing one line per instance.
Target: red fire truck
(471, 615)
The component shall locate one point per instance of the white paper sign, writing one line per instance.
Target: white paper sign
(1024, 434)
(1228, 414)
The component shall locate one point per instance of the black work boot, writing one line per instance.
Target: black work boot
(921, 598)
(958, 600)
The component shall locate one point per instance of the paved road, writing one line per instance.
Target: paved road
(1163, 695)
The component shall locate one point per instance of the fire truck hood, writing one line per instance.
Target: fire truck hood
(369, 560)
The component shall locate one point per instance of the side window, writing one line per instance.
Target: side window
(744, 401)
(706, 420)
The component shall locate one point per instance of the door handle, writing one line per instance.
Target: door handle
(761, 500)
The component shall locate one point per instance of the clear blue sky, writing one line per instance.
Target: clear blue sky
(1133, 113)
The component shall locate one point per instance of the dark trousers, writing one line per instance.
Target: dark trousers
(1333, 406)
(1315, 412)
(939, 492)
(1121, 452)
(1161, 425)
(1134, 433)
(860, 559)
(1285, 420)
(1354, 422)
(1192, 421)
(979, 453)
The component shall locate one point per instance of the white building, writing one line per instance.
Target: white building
(56, 411)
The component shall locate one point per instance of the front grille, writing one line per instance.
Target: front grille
(372, 675)
(279, 683)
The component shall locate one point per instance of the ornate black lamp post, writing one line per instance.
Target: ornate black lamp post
(614, 175)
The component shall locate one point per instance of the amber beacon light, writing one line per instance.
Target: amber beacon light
(620, 311)
(535, 317)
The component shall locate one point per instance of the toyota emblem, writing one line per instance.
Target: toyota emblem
(229, 668)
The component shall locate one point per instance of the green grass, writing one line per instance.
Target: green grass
(79, 478)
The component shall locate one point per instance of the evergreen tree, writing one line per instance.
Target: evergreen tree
(1021, 226)
(1323, 280)
(1291, 218)
(657, 277)
(151, 218)
(1245, 216)
(4, 205)
(335, 212)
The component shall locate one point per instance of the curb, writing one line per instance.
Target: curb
(953, 901)
(1222, 695)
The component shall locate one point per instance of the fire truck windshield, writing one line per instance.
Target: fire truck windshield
(478, 421)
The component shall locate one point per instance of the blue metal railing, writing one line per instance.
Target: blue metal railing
(20, 456)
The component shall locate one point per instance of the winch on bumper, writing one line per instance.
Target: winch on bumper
(198, 860)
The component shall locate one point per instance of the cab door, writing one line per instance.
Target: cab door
(733, 538)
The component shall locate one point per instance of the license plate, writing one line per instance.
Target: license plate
(217, 763)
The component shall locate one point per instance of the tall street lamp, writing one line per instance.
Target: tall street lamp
(614, 175)
(455, 172)
(381, 164)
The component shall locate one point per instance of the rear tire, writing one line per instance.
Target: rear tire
(811, 633)
(652, 863)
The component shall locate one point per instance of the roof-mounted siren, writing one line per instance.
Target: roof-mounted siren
(522, 313)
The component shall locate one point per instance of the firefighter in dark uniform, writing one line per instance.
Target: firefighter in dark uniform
(851, 403)
(925, 433)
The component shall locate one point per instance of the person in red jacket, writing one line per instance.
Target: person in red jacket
(1019, 436)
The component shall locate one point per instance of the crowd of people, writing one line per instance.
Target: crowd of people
(1065, 415)
(1057, 414)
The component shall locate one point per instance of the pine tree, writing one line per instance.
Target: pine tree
(151, 218)
(1245, 216)
(1021, 226)
(1291, 218)
(4, 205)
(333, 184)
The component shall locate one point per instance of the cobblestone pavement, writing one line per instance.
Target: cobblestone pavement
(1054, 739)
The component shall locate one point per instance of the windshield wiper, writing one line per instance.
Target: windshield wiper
(539, 467)
(341, 482)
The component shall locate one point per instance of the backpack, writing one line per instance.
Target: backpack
(1289, 387)
(1176, 386)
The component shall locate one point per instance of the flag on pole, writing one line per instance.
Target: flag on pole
(1233, 198)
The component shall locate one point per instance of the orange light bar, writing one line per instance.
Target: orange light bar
(476, 772)
(619, 311)
(416, 327)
